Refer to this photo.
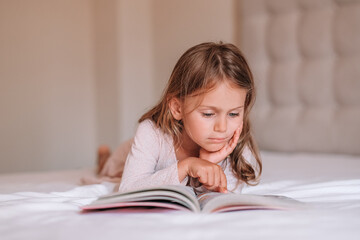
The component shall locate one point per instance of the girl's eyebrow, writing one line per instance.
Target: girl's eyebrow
(215, 108)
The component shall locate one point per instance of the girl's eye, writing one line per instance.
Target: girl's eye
(234, 114)
(208, 114)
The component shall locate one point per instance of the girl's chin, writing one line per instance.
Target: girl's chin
(213, 147)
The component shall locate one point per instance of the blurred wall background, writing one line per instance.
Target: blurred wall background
(75, 74)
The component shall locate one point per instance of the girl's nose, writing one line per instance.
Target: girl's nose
(220, 125)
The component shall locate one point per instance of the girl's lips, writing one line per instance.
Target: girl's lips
(218, 140)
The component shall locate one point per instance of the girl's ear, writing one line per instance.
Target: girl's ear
(175, 108)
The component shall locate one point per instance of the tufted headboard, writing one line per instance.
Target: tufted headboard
(305, 56)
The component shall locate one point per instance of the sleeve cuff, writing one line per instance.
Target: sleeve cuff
(184, 181)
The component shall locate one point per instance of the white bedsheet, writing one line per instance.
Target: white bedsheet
(46, 206)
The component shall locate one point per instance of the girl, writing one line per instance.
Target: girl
(199, 133)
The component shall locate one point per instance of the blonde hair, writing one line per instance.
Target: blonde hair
(197, 71)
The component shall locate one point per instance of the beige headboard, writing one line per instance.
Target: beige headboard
(305, 56)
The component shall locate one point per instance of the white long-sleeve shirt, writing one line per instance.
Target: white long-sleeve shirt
(152, 162)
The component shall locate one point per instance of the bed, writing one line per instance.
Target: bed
(305, 56)
(46, 206)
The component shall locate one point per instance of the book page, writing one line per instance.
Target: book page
(204, 198)
(221, 202)
(166, 195)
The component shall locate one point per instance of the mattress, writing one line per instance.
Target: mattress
(46, 206)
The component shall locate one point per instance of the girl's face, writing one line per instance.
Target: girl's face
(212, 124)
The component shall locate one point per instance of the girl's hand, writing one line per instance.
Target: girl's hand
(209, 174)
(218, 156)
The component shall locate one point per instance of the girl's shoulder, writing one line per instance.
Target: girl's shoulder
(147, 124)
(152, 138)
(149, 128)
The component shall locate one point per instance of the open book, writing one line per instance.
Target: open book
(184, 198)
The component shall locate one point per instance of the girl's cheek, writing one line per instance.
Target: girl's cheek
(237, 123)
